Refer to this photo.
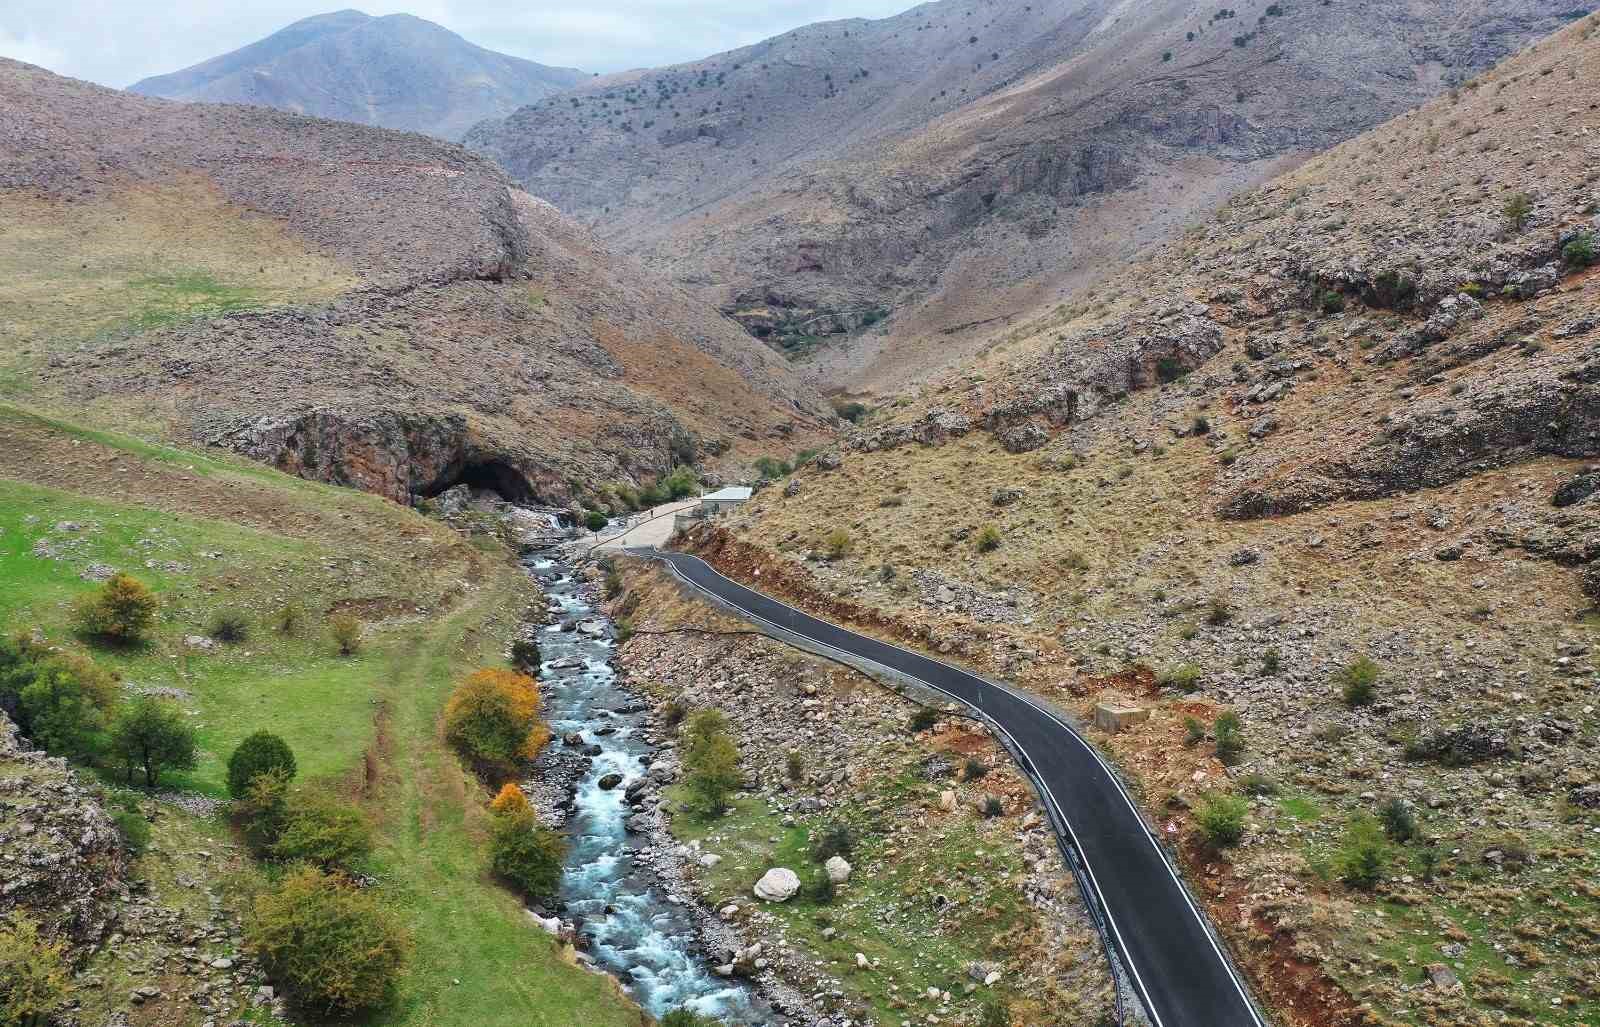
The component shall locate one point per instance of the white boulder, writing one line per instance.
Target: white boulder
(777, 885)
(838, 869)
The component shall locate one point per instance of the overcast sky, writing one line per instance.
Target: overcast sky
(118, 42)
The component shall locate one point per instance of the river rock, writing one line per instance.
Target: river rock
(838, 869)
(777, 885)
(610, 781)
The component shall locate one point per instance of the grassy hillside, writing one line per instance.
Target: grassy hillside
(211, 534)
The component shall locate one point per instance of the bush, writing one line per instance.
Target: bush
(121, 611)
(767, 467)
(1579, 252)
(229, 626)
(922, 720)
(1363, 854)
(1331, 302)
(262, 810)
(1271, 663)
(1185, 677)
(996, 1012)
(991, 806)
(1194, 732)
(975, 770)
(1219, 611)
(493, 717)
(33, 973)
(795, 765)
(132, 827)
(329, 943)
(851, 411)
(1358, 682)
(822, 890)
(1221, 819)
(289, 619)
(988, 538)
(710, 761)
(1399, 823)
(681, 483)
(1518, 207)
(60, 701)
(526, 853)
(346, 631)
(510, 800)
(258, 754)
(837, 543)
(1259, 784)
(325, 831)
(1202, 425)
(594, 520)
(1230, 736)
(154, 736)
(835, 840)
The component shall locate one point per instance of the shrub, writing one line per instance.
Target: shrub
(121, 611)
(493, 717)
(1518, 207)
(1271, 662)
(1202, 425)
(975, 770)
(836, 839)
(1330, 302)
(229, 626)
(767, 467)
(1230, 736)
(262, 810)
(510, 800)
(922, 720)
(1427, 862)
(331, 944)
(60, 701)
(132, 827)
(851, 411)
(681, 483)
(1218, 611)
(1221, 819)
(1194, 732)
(1170, 369)
(837, 543)
(346, 631)
(1363, 854)
(152, 735)
(1580, 251)
(710, 761)
(822, 890)
(289, 619)
(996, 1012)
(325, 831)
(1399, 823)
(525, 654)
(594, 520)
(1259, 784)
(1185, 677)
(673, 712)
(988, 538)
(991, 806)
(33, 973)
(1358, 682)
(258, 754)
(527, 854)
(795, 765)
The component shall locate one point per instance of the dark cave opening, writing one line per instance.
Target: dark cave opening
(495, 476)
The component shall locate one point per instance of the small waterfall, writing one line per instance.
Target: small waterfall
(640, 936)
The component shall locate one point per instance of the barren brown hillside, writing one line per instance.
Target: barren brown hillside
(1325, 465)
(919, 180)
(365, 307)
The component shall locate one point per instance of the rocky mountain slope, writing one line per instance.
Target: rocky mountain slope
(940, 172)
(1350, 417)
(397, 71)
(359, 306)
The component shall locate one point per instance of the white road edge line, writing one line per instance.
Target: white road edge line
(1115, 781)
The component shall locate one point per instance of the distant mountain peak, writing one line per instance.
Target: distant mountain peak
(394, 71)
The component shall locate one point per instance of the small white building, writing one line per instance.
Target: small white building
(723, 500)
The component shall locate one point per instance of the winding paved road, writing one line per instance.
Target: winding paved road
(1175, 964)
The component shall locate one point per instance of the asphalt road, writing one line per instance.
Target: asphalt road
(1175, 965)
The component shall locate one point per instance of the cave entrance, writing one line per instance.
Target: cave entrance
(494, 476)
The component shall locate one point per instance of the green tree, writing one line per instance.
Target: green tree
(263, 809)
(257, 754)
(1579, 251)
(122, 610)
(152, 735)
(334, 946)
(61, 715)
(33, 973)
(710, 761)
(1363, 854)
(1229, 732)
(1358, 681)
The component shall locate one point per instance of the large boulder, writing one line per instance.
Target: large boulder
(777, 885)
(838, 869)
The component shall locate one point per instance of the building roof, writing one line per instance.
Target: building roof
(737, 493)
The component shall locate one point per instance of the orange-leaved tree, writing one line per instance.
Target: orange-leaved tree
(510, 801)
(493, 717)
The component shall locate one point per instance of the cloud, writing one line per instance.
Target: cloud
(118, 42)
